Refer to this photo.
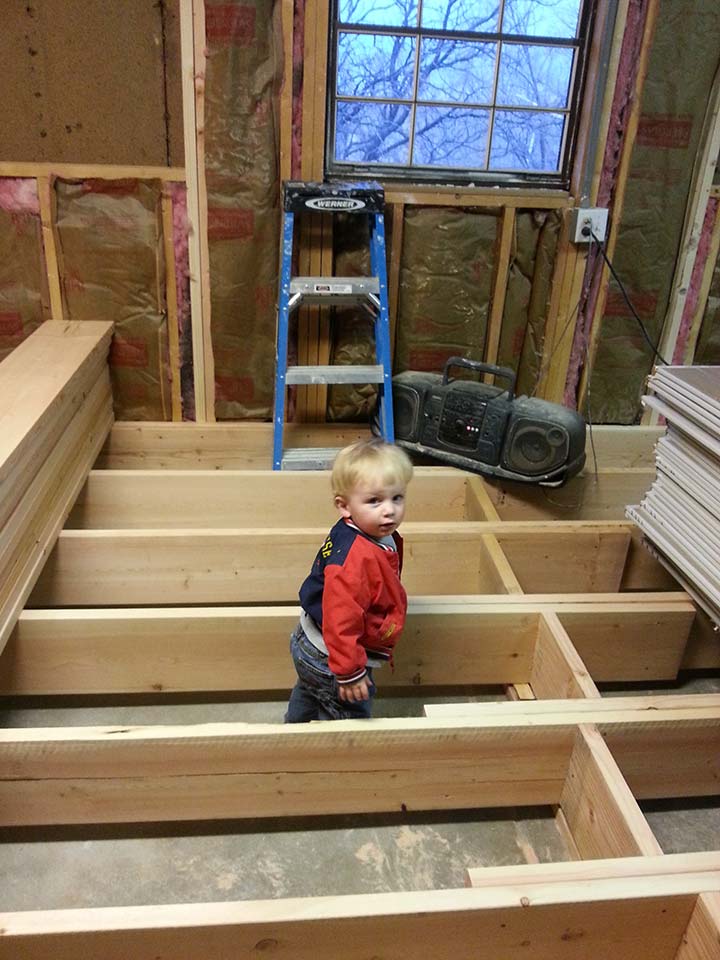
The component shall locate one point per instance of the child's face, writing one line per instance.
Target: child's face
(376, 508)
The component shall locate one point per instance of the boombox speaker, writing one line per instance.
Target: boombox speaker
(487, 429)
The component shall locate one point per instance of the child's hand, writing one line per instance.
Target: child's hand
(354, 692)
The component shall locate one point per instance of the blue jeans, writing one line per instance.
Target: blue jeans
(315, 695)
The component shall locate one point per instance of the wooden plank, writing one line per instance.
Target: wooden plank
(31, 531)
(478, 502)
(602, 814)
(649, 867)
(502, 268)
(703, 647)
(192, 80)
(679, 707)
(218, 771)
(47, 218)
(558, 670)
(131, 567)
(623, 918)
(172, 305)
(43, 383)
(597, 565)
(90, 171)
(397, 227)
(632, 642)
(230, 770)
(437, 196)
(248, 445)
(214, 446)
(135, 499)
(245, 649)
(286, 90)
(642, 570)
(701, 940)
(585, 497)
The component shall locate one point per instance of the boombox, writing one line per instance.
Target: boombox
(485, 429)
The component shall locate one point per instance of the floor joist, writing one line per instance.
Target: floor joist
(485, 640)
(131, 567)
(227, 771)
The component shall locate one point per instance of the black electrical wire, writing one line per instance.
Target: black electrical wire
(632, 309)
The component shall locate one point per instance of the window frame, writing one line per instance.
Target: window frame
(437, 176)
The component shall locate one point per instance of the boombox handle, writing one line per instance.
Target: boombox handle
(505, 372)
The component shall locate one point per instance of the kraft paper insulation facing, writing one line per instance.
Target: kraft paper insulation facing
(674, 101)
(244, 71)
(446, 284)
(110, 254)
(22, 271)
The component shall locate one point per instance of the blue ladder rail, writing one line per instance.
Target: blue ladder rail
(367, 199)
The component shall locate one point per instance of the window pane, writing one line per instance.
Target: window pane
(375, 65)
(372, 132)
(480, 15)
(534, 76)
(549, 18)
(450, 137)
(381, 13)
(523, 140)
(456, 70)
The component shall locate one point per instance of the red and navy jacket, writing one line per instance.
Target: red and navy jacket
(355, 596)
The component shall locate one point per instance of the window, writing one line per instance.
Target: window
(461, 90)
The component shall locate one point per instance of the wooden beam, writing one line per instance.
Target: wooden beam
(90, 171)
(218, 771)
(184, 649)
(708, 275)
(47, 217)
(214, 446)
(246, 445)
(673, 706)
(397, 229)
(43, 383)
(602, 813)
(29, 534)
(434, 196)
(588, 496)
(604, 868)
(286, 90)
(131, 567)
(173, 330)
(621, 916)
(558, 670)
(701, 940)
(502, 269)
(192, 38)
(135, 499)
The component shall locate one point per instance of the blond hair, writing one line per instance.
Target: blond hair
(369, 460)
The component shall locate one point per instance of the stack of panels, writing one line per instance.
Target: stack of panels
(55, 413)
(680, 515)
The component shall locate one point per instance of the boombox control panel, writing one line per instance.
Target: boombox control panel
(461, 420)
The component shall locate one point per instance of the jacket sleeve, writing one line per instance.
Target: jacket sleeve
(345, 600)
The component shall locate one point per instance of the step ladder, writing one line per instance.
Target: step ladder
(361, 199)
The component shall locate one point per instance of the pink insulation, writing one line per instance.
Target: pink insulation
(19, 195)
(691, 300)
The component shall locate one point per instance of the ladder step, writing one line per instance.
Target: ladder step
(309, 458)
(334, 289)
(335, 374)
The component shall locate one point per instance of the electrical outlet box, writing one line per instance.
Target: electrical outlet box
(587, 221)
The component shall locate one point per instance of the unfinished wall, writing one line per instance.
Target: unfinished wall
(87, 81)
(22, 271)
(244, 69)
(683, 62)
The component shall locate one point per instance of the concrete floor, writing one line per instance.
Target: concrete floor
(131, 864)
